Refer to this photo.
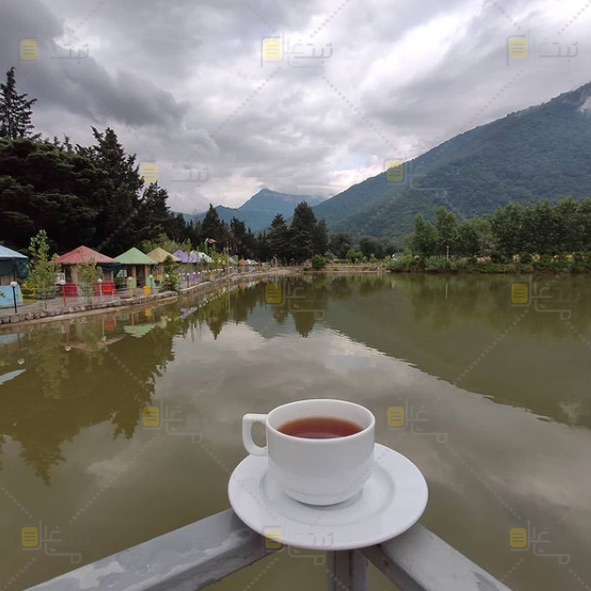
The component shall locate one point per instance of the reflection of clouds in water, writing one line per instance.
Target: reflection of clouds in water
(495, 440)
(573, 410)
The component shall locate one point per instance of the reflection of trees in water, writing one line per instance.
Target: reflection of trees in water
(64, 391)
(442, 301)
(73, 380)
(303, 298)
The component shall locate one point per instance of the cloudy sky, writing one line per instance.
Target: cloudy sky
(309, 97)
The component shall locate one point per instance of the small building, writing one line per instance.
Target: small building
(137, 265)
(85, 255)
(13, 266)
(160, 255)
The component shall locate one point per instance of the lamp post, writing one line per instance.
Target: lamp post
(100, 282)
(14, 285)
(63, 284)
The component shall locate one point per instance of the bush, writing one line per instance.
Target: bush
(437, 264)
(318, 262)
(402, 262)
(355, 256)
(462, 264)
(526, 258)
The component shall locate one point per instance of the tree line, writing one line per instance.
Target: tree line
(535, 229)
(95, 195)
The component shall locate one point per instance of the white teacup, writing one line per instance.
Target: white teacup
(316, 471)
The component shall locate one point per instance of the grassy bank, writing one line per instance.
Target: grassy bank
(577, 263)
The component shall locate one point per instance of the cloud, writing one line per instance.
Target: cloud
(183, 83)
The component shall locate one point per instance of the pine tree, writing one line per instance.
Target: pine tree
(279, 239)
(320, 237)
(303, 225)
(212, 226)
(15, 110)
(118, 201)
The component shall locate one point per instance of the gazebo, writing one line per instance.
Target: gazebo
(85, 255)
(160, 255)
(182, 256)
(13, 265)
(137, 264)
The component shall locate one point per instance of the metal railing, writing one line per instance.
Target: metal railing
(209, 550)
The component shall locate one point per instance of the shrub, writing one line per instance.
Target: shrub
(526, 258)
(437, 264)
(402, 262)
(461, 264)
(354, 256)
(318, 262)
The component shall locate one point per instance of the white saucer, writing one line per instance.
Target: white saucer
(392, 500)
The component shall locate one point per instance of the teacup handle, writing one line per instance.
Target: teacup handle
(247, 422)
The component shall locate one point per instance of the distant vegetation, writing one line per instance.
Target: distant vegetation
(95, 195)
(543, 152)
(539, 236)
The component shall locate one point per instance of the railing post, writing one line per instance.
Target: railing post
(346, 571)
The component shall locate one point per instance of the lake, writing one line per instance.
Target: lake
(494, 387)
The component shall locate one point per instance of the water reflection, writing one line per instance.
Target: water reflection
(72, 396)
(62, 378)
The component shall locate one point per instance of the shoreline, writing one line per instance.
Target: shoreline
(95, 308)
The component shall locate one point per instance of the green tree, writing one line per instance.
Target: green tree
(279, 239)
(214, 227)
(15, 110)
(42, 267)
(171, 274)
(467, 242)
(88, 274)
(155, 216)
(507, 230)
(447, 230)
(372, 246)
(118, 202)
(241, 240)
(318, 262)
(340, 244)
(425, 241)
(302, 228)
(354, 256)
(320, 237)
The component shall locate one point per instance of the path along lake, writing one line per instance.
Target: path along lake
(496, 399)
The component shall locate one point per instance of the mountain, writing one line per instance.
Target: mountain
(542, 152)
(258, 212)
